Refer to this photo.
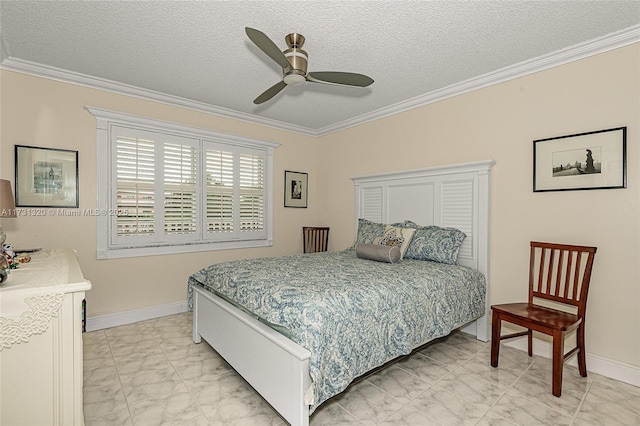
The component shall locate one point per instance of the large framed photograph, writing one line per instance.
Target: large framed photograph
(295, 189)
(46, 177)
(592, 160)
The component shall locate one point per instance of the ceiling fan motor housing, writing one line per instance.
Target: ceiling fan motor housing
(294, 75)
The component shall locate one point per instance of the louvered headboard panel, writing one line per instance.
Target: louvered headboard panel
(449, 196)
(458, 212)
(371, 202)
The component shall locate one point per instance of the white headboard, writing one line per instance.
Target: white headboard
(449, 196)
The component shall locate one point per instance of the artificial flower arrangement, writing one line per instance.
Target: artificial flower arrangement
(10, 256)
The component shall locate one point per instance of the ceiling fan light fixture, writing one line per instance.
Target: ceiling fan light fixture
(294, 79)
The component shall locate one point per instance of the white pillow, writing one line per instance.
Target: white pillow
(393, 236)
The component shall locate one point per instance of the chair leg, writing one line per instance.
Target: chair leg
(530, 341)
(582, 361)
(558, 362)
(496, 324)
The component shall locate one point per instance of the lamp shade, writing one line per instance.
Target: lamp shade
(7, 203)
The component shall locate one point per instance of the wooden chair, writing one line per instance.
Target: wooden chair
(315, 238)
(561, 274)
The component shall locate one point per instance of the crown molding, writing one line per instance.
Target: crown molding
(65, 76)
(609, 42)
(604, 44)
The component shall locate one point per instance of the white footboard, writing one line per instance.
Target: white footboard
(276, 367)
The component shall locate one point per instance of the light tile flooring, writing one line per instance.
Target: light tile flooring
(151, 373)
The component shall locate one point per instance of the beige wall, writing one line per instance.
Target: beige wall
(41, 112)
(499, 122)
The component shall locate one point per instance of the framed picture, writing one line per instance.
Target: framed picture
(295, 189)
(593, 160)
(46, 177)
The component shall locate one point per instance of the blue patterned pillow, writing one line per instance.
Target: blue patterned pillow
(434, 243)
(368, 231)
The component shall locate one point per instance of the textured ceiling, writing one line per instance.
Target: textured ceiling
(198, 54)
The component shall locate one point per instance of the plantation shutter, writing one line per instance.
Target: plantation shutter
(219, 191)
(180, 161)
(251, 192)
(134, 188)
(235, 191)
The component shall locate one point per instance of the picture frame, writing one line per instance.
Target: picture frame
(591, 160)
(46, 177)
(295, 189)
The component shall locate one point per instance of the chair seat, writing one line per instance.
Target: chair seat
(540, 315)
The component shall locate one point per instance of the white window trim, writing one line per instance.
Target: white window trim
(105, 119)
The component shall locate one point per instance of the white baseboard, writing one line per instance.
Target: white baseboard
(609, 368)
(129, 317)
(597, 364)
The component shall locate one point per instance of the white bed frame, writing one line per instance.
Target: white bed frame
(277, 368)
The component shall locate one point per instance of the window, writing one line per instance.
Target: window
(165, 188)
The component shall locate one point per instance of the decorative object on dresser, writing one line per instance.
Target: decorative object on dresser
(8, 210)
(4, 270)
(6, 251)
(592, 160)
(559, 274)
(315, 238)
(41, 341)
(7, 205)
(46, 177)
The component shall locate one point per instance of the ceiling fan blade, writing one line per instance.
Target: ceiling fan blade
(341, 78)
(270, 92)
(267, 46)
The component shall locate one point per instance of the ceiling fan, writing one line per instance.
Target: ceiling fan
(294, 66)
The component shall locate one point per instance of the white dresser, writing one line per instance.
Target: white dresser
(41, 341)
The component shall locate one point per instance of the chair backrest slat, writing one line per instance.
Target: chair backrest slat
(315, 238)
(560, 272)
(542, 265)
(557, 288)
(576, 284)
(567, 281)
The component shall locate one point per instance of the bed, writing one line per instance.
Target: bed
(291, 336)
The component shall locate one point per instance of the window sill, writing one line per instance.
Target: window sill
(121, 253)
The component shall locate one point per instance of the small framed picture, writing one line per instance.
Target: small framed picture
(46, 177)
(592, 160)
(295, 189)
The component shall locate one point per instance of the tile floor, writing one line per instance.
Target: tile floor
(151, 373)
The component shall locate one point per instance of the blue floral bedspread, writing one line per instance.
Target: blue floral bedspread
(352, 314)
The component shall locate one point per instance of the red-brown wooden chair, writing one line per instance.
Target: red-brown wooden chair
(315, 238)
(560, 273)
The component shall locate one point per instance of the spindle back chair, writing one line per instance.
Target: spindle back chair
(315, 239)
(561, 274)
